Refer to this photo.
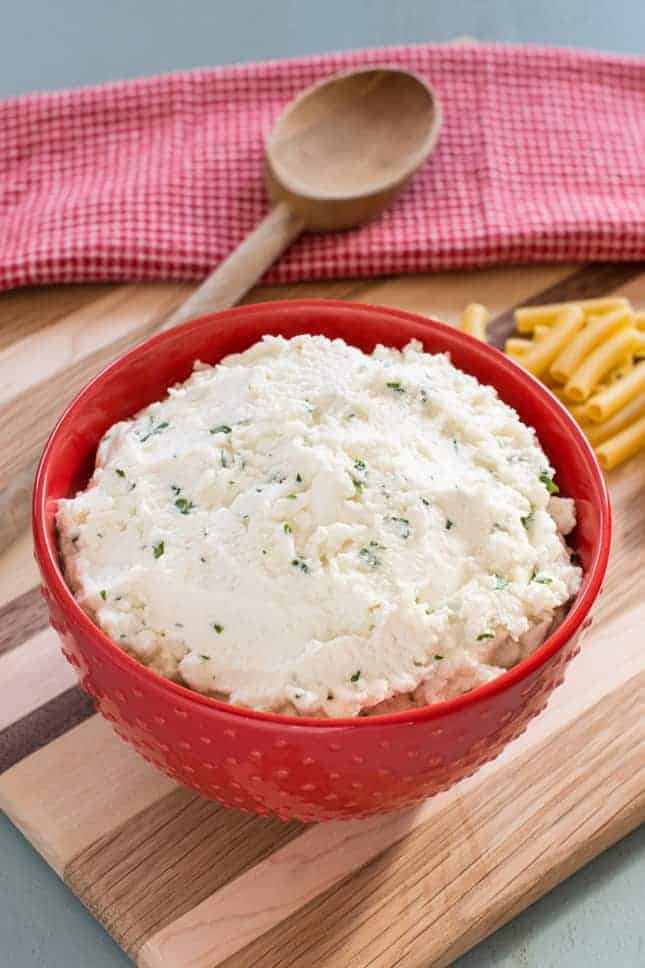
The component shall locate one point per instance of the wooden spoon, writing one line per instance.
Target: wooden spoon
(336, 158)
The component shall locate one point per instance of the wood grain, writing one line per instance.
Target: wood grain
(79, 788)
(465, 873)
(21, 618)
(182, 882)
(166, 860)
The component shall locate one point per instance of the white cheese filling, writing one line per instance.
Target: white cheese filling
(306, 528)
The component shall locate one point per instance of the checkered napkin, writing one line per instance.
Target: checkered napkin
(541, 157)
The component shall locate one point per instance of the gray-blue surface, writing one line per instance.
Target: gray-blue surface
(596, 918)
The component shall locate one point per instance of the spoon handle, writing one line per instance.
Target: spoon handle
(243, 267)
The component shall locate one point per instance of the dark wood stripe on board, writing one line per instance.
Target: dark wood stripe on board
(42, 725)
(595, 279)
(22, 618)
(167, 859)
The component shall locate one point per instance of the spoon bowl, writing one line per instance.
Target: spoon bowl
(347, 145)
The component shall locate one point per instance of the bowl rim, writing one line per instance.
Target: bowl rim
(46, 551)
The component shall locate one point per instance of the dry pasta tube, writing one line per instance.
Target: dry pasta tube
(616, 450)
(474, 320)
(541, 355)
(515, 346)
(625, 366)
(597, 330)
(596, 433)
(527, 317)
(600, 362)
(606, 403)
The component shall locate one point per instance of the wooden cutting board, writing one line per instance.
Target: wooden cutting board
(180, 881)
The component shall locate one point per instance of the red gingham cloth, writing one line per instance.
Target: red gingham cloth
(541, 157)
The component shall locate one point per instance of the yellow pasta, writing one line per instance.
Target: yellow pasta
(474, 320)
(625, 366)
(597, 330)
(598, 432)
(606, 403)
(639, 321)
(542, 354)
(527, 317)
(515, 346)
(599, 363)
(622, 446)
(541, 331)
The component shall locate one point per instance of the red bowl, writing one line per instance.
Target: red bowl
(311, 769)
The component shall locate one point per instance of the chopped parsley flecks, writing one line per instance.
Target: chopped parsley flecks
(218, 628)
(423, 396)
(299, 563)
(103, 594)
(222, 459)
(202, 559)
(360, 465)
(158, 549)
(355, 676)
(183, 505)
(350, 416)
(286, 527)
(358, 485)
(396, 386)
(541, 578)
(369, 556)
(221, 429)
(485, 635)
(455, 444)
(449, 524)
(526, 521)
(159, 429)
(298, 478)
(291, 497)
(120, 472)
(425, 501)
(438, 658)
(402, 524)
(501, 583)
(204, 658)
(175, 488)
(549, 483)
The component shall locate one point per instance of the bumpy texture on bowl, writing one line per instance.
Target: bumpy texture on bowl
(310, 769)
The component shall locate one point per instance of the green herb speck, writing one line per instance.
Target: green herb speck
(120, 472)
(298, 478)
(368, 556)
(360, 465)
(485, 635)
(204, 658)
(449, 524)
(291, 497)
(158, 549)
(438, 658)
(221, 429)
(527, 520)
(425, 501)
(183, 505)
(396, 386)
(501, 583)
(355, 676)
(403, 526)
(549, 483)
(155, 430)
(302, 565)
(218, 628)
(103, 594)
(287, 528)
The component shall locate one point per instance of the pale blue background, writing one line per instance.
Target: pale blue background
(594, 920)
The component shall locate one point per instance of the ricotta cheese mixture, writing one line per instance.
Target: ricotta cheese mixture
(308, 529)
